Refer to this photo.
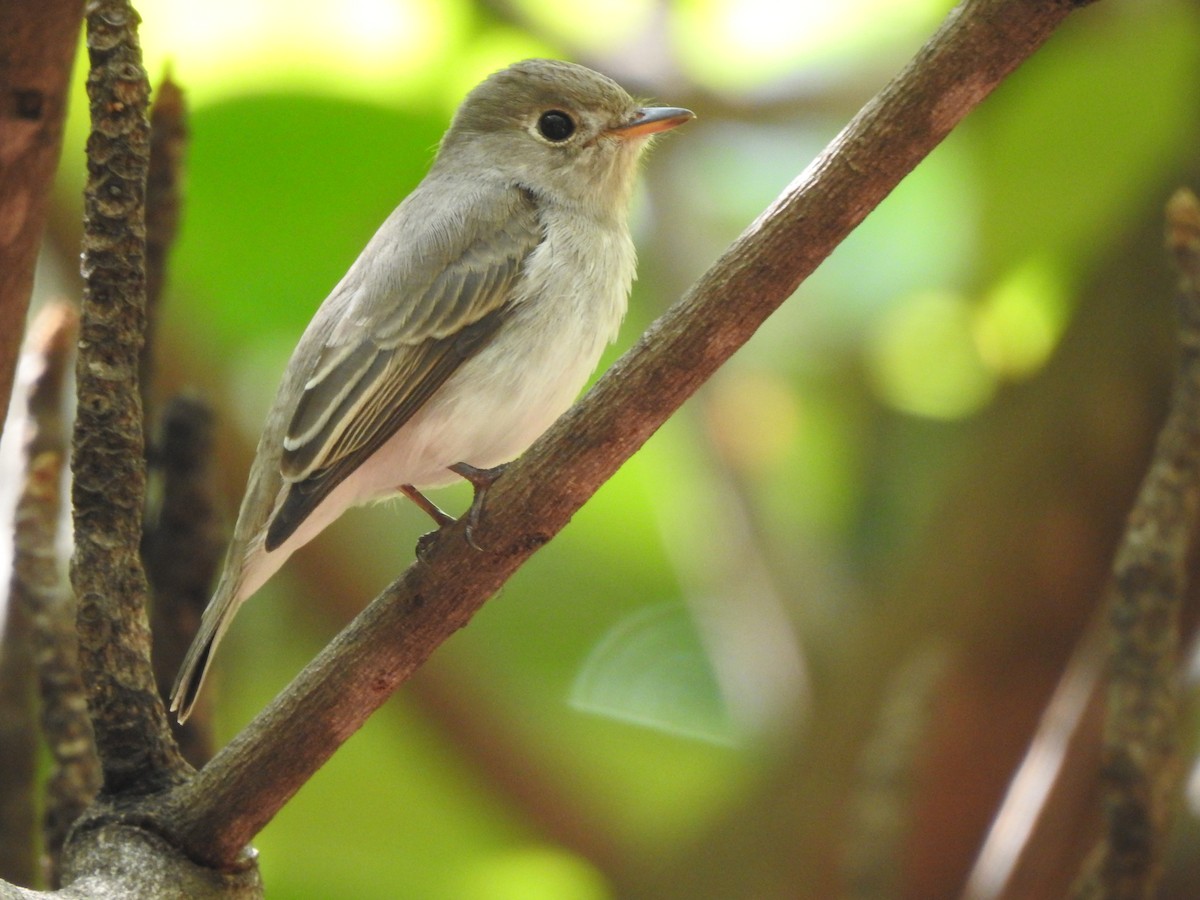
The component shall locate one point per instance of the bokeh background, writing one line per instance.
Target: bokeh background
(799, 645)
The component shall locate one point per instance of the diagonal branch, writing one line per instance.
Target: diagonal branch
(216, 813)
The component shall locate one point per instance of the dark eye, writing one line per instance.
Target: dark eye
(556, 125)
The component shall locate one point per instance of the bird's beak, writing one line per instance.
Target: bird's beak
(651, 120)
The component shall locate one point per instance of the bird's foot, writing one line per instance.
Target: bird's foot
(481, 480)
(425, 544)
(426, 541)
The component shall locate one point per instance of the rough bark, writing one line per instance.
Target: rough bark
(133, 740)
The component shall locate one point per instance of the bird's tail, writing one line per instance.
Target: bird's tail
(213, 625)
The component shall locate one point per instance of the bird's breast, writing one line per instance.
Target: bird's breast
(569, 301)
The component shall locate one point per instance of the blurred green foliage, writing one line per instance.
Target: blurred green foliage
(721, 576)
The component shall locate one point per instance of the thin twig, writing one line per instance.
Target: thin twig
(981, 42)
(1141, 768)
(108, 490)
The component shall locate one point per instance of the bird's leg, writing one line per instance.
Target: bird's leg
(481, 480)
(427, 506)
(425, 541)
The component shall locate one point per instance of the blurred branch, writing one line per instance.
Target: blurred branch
(168, 138)
(879, 815)
(1149, 582)
(38, 593)
(33, 587)
(18, 742)
(181, 549)
(75, 774)
(108, 489)
(183, 539)
(37, 48)
(229, 801)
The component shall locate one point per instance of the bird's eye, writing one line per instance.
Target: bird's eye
(556, 125)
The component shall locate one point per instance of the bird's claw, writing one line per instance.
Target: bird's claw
(425, 544)
(481, 480)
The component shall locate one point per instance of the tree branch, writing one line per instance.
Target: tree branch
(168, 139)
(880, 807)
(75, 774)
(18, 742)
(31, 619)
(1145, 599)
(37, 48)
(182, 550)
(132, 738)
(184, 538)
(229, 801)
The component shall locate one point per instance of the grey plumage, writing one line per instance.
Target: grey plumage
(469, 322)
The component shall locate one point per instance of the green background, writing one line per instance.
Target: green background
(680, 696)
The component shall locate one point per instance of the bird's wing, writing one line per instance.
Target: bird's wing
(407, 330)
(391, 332)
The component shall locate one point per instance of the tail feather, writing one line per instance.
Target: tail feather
(213, 625)
(189, 680)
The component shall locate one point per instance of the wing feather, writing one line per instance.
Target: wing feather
(361, 391)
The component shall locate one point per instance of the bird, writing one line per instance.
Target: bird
(469, 323)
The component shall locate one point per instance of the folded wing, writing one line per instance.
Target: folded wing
(404, 338)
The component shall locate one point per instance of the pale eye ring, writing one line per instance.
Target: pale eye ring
(555, 125)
